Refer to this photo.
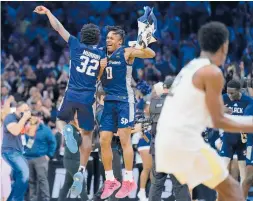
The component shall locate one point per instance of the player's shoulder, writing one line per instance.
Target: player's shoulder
(210, 73)
(249, 109)
(247, 98)
(10, 118)
(73, 42)
(225, 96)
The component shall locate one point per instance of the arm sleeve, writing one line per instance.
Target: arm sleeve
(9, 119)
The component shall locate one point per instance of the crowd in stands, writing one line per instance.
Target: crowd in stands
(35, 59)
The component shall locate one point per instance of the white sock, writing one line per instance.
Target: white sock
(109, 175)
(128, 176)
(142, 193)
(81, 169)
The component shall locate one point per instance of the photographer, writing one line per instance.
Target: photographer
(157, 183)
(39, 149)
(12, 148)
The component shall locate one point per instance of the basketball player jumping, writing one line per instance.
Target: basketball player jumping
(119, 108)
(195, 102)
(85, 58)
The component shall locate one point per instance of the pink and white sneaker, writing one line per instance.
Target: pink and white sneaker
(109, 188)
(126, 188)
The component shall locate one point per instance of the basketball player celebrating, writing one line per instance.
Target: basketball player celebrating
(79, 96)
(235, 144)
(118, 114)
(248, 181)
(194, 103)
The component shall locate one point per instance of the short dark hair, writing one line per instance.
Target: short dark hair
(234, 84)
(117, 30)
(90, 34)
(20, 103)
(212, 36)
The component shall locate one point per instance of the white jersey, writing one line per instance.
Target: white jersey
(184, 115)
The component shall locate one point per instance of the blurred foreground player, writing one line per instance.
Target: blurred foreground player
(194, 103)
(79, 96)
(157, 183)
(119, 109)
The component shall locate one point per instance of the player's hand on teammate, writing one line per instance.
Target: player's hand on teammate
(42, 10)
(103, 63)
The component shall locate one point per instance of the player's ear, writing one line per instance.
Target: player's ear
(120, 42)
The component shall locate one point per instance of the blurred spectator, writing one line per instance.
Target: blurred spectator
(19, 95)
(248, 60)
(38, 151)
(151, 73)
(34, 95)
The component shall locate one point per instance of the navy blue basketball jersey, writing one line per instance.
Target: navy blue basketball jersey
(249, 112)
(237, 106)
(117, 78)
(84, 68)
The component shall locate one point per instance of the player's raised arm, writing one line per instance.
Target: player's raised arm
(145, 53)
(213, 83)
(53, 21)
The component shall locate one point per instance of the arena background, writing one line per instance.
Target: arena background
(33, 55)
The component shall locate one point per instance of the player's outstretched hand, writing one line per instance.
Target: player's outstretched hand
(103, 63)
(42, 10)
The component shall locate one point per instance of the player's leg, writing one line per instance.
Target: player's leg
(226, 152)
(107, 128)
(65, 114)
(234, 168)
(248, 181)
(85, 121)
(241, 154)
(125, 112)
(230, 190)
(143, 149)
(226, 186)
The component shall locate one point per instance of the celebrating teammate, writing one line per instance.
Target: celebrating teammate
(79, 96)
(119, 109)
(235, 144)
(194, 103)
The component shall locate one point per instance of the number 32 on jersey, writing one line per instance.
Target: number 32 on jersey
(88, 66)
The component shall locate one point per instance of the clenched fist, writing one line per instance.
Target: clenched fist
(103, 63)
(42, 10)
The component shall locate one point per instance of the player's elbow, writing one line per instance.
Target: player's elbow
(151, 54)
(14, 131)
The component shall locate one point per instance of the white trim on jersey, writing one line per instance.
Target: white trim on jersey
(131, 112)
(130, 91)
(69, 76)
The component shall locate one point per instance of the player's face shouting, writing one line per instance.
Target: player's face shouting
(113, 41)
